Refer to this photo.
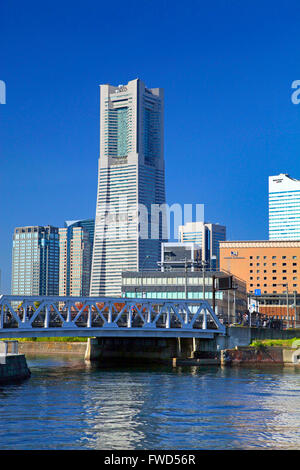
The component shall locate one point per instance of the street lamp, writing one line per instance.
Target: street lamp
(287, 302)
(203, 263)
(145, 259)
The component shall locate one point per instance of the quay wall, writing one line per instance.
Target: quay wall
(243, 336)
(13, 367)
(267, 355)
(52, 347)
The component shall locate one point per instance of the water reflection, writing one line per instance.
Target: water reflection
(70, 404)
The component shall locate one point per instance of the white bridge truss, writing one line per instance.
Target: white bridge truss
(29, 316)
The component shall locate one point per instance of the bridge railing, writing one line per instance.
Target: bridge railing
(104, 312)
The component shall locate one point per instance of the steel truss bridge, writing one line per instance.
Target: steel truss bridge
(30, 316)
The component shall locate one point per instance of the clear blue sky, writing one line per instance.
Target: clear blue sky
(226, 67)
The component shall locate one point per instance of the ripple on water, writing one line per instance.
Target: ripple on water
(67, 405)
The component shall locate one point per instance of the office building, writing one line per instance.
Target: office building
(130, 176)
(75, 259)
(267, 267)
(89, 226)
(208, 236)
(35, 261)
(284, 208)
(228, 298)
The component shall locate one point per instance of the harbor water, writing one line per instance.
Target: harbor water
(68, 403)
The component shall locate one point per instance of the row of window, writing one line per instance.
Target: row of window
(166, 280)
(273, 264)
(273, 257)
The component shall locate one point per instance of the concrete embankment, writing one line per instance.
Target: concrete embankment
(13, 366)
(265, 355)
(52, 347)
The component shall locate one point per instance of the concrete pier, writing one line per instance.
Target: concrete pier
(13, 366)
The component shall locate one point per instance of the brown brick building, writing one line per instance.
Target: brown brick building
(271, 266)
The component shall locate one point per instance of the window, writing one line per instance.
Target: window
(273, 257)
(283, 257)
(273, 264)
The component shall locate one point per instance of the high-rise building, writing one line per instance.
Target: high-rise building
(284, 208)
(208, 236)
(75, 241)
(130, 179)
(35, 261)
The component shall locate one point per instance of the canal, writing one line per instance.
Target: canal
(69, 404)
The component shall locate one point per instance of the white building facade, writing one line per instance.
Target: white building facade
(208, 236)
(131, 177)
(284, 208)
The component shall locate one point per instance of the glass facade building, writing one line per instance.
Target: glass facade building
(130, 176)
(208, 236)
(284, 208)
(35, 261)
(76, 241)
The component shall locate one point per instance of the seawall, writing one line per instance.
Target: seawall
(265, 355)
(13, 368)
(52, 347)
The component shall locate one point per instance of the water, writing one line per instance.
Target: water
(67, 404)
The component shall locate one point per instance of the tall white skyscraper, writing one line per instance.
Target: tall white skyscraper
(131, 178)
(284, 208)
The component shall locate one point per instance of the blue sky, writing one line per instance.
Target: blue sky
(226, 67)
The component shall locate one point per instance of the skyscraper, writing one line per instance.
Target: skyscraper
(35, 261)
(284, 208)
(130, 179)
(74, 261)
(208, 236)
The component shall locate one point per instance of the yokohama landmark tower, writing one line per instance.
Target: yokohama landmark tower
(131, 179)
